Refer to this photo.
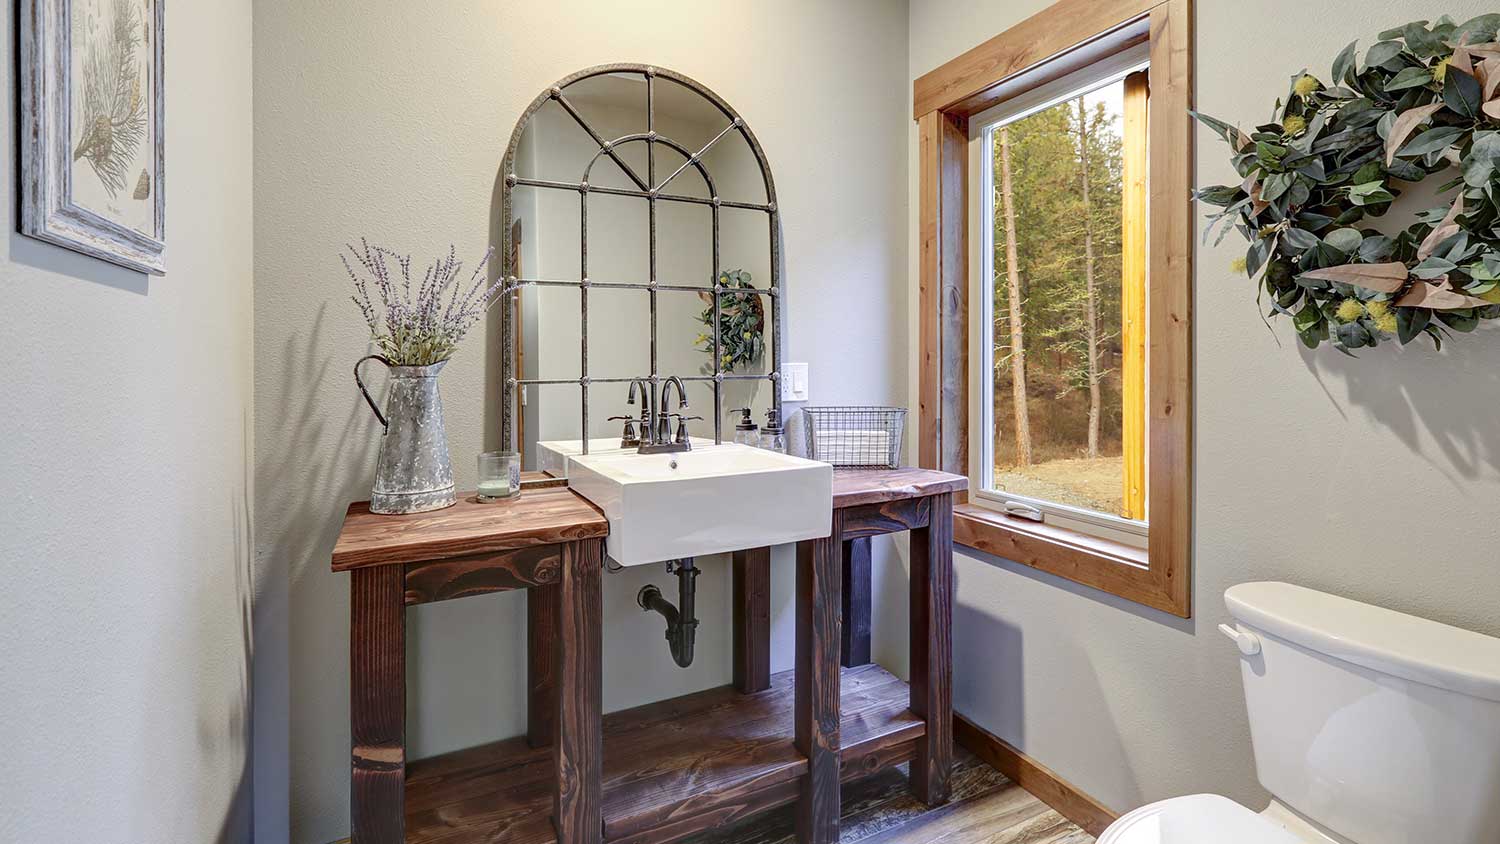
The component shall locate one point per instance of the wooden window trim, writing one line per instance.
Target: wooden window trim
(1056, 41)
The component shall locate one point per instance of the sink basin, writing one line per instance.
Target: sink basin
(712, 499)
(552, 456)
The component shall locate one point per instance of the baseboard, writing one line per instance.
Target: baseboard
(1033, 776)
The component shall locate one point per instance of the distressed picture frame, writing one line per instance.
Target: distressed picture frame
(93, 162)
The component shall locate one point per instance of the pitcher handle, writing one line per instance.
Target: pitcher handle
(376, 408)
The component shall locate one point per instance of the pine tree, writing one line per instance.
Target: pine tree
(1091, 316)
(1017, 333)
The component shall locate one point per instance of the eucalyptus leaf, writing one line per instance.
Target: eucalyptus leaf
(1222, 129)
(1424, 43)
(1352, 335)
(1370, 193)
(1344, 240)
(1375, 249)
(1312, 221)
(1306, 318)
(1409, 77)
(1275, 185)
(1433, 267)
(1299, 192)
(1435, 139)
(1483, 159)
(1406, 171)
(1462, 94)
(1480, 29)
(1219, 194)
(1410, 322)
(1343, 65)
(1299, 239)
(1382, 52)
(1459, 321)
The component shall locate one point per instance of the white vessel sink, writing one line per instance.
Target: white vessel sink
(552, 456)
(712, 499)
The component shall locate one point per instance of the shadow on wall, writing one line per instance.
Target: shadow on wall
(1409, 390)
(991, 653)
(238, 826)
(301, 601)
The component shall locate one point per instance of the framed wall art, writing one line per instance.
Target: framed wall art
(92, 156)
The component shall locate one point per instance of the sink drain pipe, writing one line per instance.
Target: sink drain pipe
(682, 624)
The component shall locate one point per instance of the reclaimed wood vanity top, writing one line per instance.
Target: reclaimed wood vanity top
(536, 517)
(550, 516)
(853, 487)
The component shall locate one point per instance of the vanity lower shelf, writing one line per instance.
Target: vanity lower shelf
(670, 768)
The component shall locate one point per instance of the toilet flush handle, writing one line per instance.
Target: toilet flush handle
(1249, 643)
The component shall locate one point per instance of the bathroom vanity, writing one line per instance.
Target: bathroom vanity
(669, 769)
(638, 218)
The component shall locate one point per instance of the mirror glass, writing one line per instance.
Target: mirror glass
(563, 233)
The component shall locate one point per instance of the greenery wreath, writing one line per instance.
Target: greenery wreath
(1426, 102)
(742, 320)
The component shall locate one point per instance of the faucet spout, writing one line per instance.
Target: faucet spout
(663, 420)
(648, 413)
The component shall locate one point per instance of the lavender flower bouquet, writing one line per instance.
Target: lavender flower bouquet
(425, 329)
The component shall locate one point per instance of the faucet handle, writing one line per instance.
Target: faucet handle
(628, 437)
(682, 428)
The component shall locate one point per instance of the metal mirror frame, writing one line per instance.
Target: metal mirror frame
(653, 191)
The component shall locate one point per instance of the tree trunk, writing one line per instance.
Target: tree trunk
(1090, 316)
(1017, 335)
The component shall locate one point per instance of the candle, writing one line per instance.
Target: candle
(496, 488)
(499, 475)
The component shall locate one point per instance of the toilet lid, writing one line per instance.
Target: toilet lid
(1197, 819)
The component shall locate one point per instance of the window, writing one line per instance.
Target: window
(1055, 291)
(1058, 197)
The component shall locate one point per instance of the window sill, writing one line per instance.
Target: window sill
(1103, 564)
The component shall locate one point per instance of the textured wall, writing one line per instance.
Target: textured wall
(125, 501)
(1373, 478)
(389, 119)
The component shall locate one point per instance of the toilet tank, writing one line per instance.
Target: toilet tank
(1382, 727)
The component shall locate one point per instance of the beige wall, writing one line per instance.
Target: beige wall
(388, 119)
(1374, 478)
(125, 488)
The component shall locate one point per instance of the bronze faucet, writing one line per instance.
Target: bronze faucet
(657, 438)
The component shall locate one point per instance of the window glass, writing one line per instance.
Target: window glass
(1067, 273)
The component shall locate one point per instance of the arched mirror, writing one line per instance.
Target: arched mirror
(641, 241)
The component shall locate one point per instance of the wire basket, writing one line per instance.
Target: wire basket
(855, 437)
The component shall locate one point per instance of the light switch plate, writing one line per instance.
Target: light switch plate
(794, 382)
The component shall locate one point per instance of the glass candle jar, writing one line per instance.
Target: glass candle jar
(499, 475)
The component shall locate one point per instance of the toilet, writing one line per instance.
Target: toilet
(1368, 726)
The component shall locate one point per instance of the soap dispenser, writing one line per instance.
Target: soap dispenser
(746, 432)
(773, 437)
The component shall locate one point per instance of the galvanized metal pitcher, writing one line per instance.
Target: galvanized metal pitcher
(413, 473)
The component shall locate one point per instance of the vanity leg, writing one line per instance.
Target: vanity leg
(856, 636)
(377, 704)
(932, 650)
(578, 734)
(752, 620)
(541, 670)
(816, 701)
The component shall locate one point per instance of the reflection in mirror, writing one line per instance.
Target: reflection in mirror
(612, 235)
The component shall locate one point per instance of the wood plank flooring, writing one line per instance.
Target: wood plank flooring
(986, 809)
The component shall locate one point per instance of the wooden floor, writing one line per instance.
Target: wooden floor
(986, 809)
